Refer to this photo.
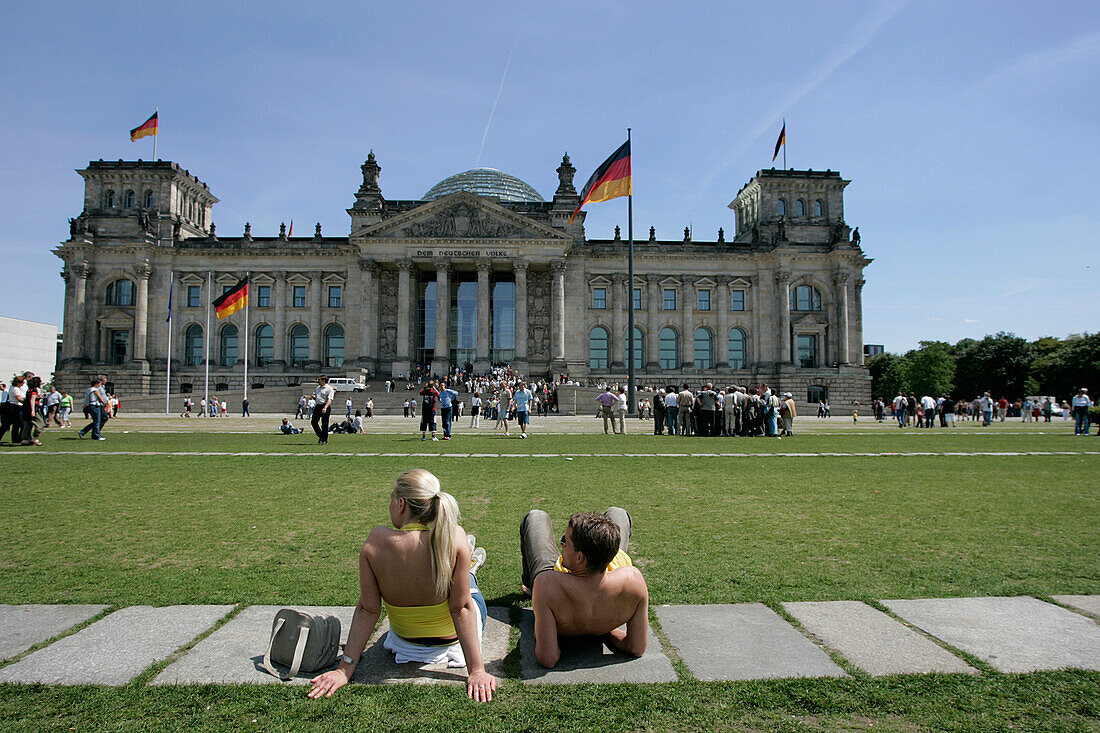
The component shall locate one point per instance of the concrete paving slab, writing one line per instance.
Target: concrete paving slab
(1088, 604)
(742, 642)
(589, 660)
(1018, 634)
(234, 653)
(117, 648)
(873, 641)
(21, 627)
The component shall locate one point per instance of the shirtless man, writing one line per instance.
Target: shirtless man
(596, 588)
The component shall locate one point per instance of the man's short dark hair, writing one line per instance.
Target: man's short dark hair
(597, 537)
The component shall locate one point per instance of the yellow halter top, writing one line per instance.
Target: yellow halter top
(421, 622)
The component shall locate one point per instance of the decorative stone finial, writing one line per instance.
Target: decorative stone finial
(370, 169)
(317, 230)
(687, 234)
(721, 234)
(247, 230)
(282, 230)
(618, 233)
(212, 229)
(652, 234)
(566, 172)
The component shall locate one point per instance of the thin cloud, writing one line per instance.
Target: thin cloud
(859, 40)
(1035, 72)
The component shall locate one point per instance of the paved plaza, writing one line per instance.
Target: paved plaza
(715, 642)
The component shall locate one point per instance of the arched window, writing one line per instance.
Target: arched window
(265, 345)
(150, 199)
(129, 200)
(805, 298)
(781, 207)
(121, 293)
(703, 351)
(737, 348)
(227, 346)
(669, 348)
(597, 348)
(192, 345)
(819, 208)
(639, 348)
(334, 345)
(299, 345)
(109, 200)
(800, 208)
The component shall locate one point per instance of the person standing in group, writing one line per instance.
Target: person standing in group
(771, 415)
(65, 408)
(52, 399)
(684, 400)
(32, 420)
(95, 404)
(658, 413)
(928, 404)
(708, 408)
(475, 410)
(202, 407)
(12, 409)
(446, 407)
(1081, 405)
(621, 409)
(607, 402)
(430, 396)
(672, 406)
(900, 406)
(788, 413)
(987, 405)
(522, 398)
(322, 408)
(505, 407)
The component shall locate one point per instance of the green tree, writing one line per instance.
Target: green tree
(930, 370)
(999, 364)
(887, 375)
(1075, 364)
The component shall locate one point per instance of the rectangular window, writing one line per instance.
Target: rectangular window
(263, 296)
(737, 300)
(670, 299)
(333, 296)
(120, 346)
(636, 299)
(704, 300)
(807, 352)
(193, 296)
(299, 296)
(817, 394)
(599, 298)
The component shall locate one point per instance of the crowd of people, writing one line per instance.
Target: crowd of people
(27, 408)
(925, 412)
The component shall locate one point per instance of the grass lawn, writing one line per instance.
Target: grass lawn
(159, 529)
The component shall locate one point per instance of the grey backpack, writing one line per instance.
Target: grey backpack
(302, 642)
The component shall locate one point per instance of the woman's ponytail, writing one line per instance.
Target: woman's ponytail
(441, 540)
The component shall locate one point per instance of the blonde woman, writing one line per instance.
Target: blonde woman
(423, 573)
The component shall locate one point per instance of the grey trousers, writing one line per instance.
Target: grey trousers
(541, 549)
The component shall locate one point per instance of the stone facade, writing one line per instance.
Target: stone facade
(779, 302)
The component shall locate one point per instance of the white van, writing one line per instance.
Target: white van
(343, 384)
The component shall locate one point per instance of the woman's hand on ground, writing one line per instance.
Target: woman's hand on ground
(324, 685)
(480, 686)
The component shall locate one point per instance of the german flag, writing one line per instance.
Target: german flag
(145, 129)
(610, 181)
(232, 300)
(779, 143)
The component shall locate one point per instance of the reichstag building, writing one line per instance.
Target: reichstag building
(481, 269)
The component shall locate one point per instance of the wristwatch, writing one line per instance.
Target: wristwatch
(348, 660)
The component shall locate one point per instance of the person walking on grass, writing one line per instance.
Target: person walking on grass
(430, 396)
(95, 405)
(447, 398)
(322, 407)
(787, 413)
(620, 410)
(65, 408)
(1081, 405)
(522, 398)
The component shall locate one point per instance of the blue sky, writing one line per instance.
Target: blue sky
(969, 130)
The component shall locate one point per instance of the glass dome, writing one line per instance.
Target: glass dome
(485, 182)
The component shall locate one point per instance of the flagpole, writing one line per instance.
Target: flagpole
(246, 299)
(630, 404)
(784, 143)
(168, 358)
(206, 347)
(156, 134)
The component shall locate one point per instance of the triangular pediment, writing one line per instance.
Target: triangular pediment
(461, 215)
(813, 318)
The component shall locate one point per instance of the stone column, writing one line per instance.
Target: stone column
(484, 305)
(653, 303)
(860, 282)
(722, 338)
(442, 358)
(279, 358)
(368, 313)
(757, 323)
(557, 312)
(141, 311)
(520, 268)
(618, 353)
(67, 323)
(316, 338)
(404, 293)
(687, 327)
(78, 338)
(783, 307)
(843, 342)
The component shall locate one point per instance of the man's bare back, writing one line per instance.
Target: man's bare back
(583, 603)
